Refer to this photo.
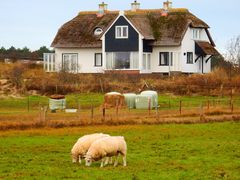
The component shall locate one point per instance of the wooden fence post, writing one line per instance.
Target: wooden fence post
(201, 109)
(92, 111)
(157, 114)
(208, 105)
(28, 103)
(104, 112)
(40, 113)
(79, 109)
(201, 112)
(56, 89)
(45, 109)
(180, 107)
(149, 106)
(117, 106)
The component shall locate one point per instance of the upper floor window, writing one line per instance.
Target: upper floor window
(121, 32)
(196, 33)
(98, 31)
(189, 57)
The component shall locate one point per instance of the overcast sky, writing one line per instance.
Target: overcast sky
(34, 23)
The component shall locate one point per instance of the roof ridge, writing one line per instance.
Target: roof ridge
(138, 11)
(96, 12)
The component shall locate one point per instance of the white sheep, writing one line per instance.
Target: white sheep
(107, 147)
(81, 147)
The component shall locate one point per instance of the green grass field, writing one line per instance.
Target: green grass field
(200, 151)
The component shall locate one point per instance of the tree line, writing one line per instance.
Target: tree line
(23, 53)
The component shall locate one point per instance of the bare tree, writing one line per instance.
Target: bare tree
(233, 51)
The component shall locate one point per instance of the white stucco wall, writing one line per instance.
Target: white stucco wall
(165, 69)
(86, 58)
(188, 45)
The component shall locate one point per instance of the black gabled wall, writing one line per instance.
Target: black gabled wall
(119, 45)
(147, 46)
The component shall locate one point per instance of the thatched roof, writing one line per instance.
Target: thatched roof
(79, 32)
(164, 30)
(205, 48)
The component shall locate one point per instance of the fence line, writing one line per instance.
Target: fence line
(90, 111)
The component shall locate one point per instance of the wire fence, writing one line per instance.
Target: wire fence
(94, 112)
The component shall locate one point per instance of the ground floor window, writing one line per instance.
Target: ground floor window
(70, 62)
(122, 60)
(165, 58)
(146, 61)
(98, 60)
(49, 62)
(189, 57)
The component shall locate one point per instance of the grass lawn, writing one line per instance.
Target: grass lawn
(200, 151)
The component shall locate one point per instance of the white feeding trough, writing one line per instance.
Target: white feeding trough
(71, 110)
(57, 102)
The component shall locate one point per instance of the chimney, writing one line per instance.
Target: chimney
(167, 5)
(102, 8)
(135, 6)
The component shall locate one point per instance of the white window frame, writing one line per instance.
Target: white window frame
(169, 58)
(111, 61)
(121, 36)
(98, 31)
(95, 60)
(146, 61)
(189, 57)
(196, 33)
(49, 62)
(73, 68)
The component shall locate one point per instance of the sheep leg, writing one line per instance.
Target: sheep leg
(111, 160)
(102, 162)
(116, 161)
(124, 160)
(107, 161)
(80, 160)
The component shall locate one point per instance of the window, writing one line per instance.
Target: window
(164, 58)
(49, 62)
(122, 60)
(121, 32)
(98, 31)
(98, 59)
(70, 62)
(189, 57)
(146, 61)
(196, 33)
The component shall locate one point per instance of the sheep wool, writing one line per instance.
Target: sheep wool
(82, 145)
(107, 147)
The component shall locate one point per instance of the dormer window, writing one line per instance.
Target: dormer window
(98, 31)
(121, 32)
(196, 34)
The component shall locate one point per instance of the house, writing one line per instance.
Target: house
(165, 40)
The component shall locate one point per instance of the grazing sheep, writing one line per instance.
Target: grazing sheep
(81, 147)
(107, 147)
